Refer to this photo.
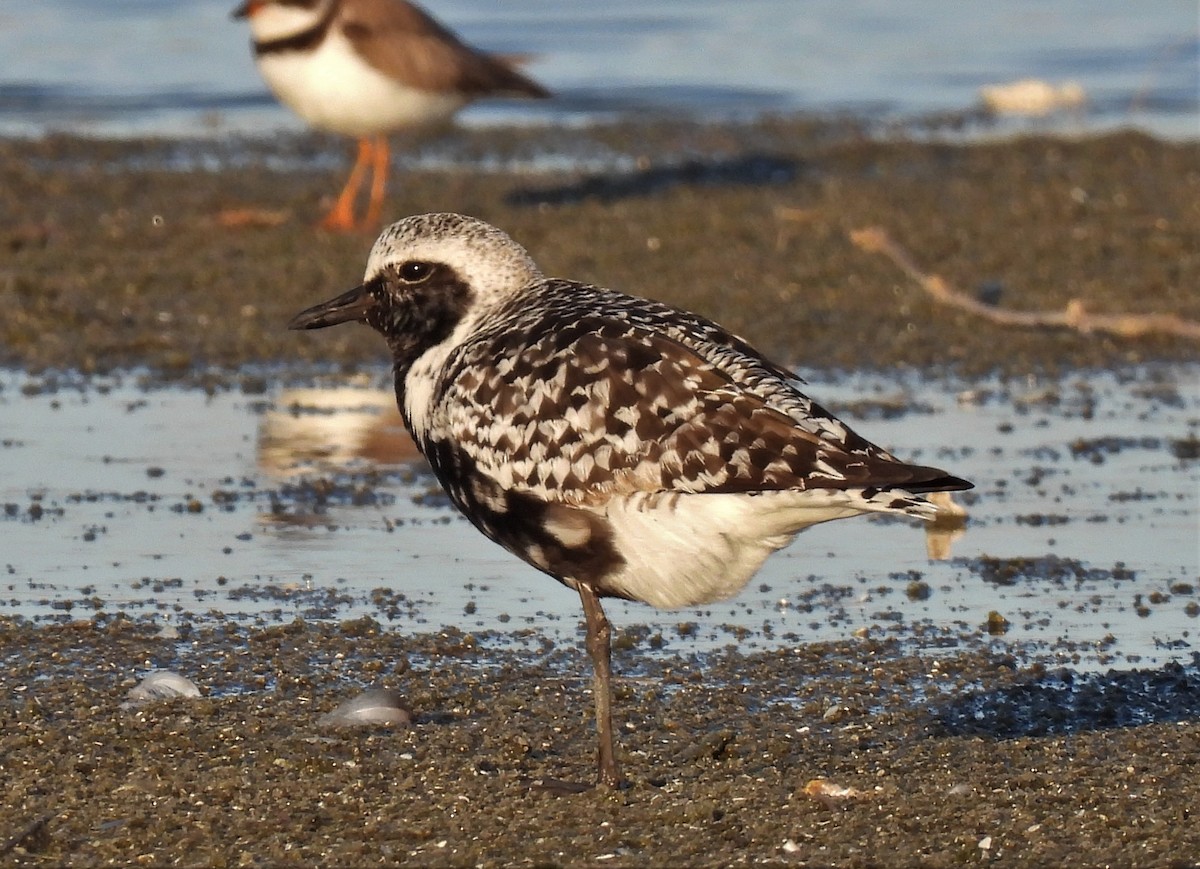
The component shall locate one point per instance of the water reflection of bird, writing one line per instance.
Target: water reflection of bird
(333, 429)
(624, 447)
(367, 68)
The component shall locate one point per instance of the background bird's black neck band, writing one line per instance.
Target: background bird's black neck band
(305, 40)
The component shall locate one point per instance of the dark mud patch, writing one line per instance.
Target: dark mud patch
(1065, 702)
(1044, 568)
(1097, 450)
(308, 603)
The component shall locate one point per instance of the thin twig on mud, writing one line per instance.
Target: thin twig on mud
(876, 240)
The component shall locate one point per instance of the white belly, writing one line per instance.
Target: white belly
(683, 550)
(333, 89)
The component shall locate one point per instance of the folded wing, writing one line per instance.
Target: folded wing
(602, 405)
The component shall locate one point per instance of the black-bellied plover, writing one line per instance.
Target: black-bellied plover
(625, 447)
(367, 68)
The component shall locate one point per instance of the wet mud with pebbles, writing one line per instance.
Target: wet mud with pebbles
(183, 261)
(846, 753)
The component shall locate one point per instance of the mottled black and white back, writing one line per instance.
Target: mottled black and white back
(604, 438)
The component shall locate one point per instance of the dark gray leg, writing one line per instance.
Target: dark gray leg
(599, 647)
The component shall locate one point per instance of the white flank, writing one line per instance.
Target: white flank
(682, 550)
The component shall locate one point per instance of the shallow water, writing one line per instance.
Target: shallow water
(1082, 533)
(154, 67)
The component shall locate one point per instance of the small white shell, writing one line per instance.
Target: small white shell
(1032, 97)
(382, 706)
(160, 685)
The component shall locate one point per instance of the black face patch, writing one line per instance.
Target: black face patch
(414, 316)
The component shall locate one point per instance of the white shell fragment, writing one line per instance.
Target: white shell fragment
(1032, 98)
(382, 706)
(827, 791)
(160, 685)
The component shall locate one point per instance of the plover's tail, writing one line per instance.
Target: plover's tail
(682, 549)
(907, 499)
(935, 481)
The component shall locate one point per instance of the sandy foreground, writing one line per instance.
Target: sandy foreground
(184, 261)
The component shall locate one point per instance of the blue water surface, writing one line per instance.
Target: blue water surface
(170, 67)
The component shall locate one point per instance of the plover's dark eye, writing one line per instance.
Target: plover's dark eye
(413, 271)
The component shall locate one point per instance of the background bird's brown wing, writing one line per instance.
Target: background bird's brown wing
(405, 43)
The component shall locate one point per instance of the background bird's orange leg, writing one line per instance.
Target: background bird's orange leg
(378, 182)
(341, 217)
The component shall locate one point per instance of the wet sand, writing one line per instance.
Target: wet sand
(115, 258)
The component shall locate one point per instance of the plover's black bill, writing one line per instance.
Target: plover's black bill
(349, 306)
